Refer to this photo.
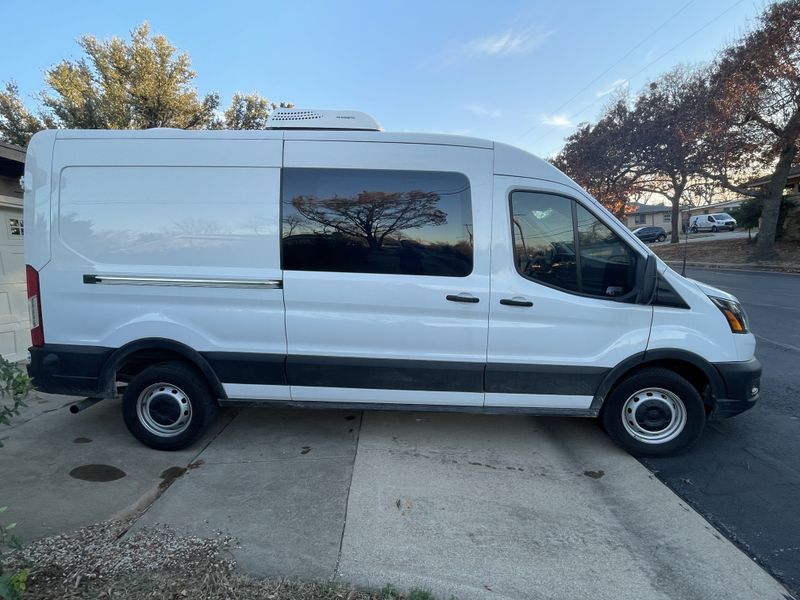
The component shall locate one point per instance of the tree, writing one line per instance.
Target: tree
(119, 84)
(754, 112)
(600, 158)
(373, 216)
(17, 125)
(667, 123)
(250, 111)
(748, 214)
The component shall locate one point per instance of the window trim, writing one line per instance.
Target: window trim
(281, 220)
(628, 298)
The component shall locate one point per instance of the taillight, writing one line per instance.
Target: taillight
(34, 306)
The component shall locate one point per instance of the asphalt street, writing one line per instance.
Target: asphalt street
(744, 474)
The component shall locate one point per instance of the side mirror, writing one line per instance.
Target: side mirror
(647, 281)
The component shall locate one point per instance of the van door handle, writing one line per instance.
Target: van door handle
(460, 298)
(513, 302)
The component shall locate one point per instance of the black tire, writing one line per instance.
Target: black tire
(643, 394)
(714, 229)
(661, 238)
(174, 414)
(693, 230)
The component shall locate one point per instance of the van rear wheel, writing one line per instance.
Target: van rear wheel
(654, 412)
(168, 406)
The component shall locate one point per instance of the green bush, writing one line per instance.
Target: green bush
(749, 212)
(14, 388)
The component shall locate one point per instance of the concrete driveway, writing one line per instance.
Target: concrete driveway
(473, 506)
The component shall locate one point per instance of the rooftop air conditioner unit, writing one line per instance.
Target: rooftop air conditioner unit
(304, 118)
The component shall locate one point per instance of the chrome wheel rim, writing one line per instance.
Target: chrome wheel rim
(164, 409)
(654, 415)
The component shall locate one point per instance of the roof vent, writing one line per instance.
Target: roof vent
(301, 118)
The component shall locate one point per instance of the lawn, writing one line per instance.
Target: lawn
(730, 252)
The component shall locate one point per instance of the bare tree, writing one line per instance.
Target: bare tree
(600, 158)
(754, 112)
(667, 123)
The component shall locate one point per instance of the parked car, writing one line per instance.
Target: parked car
(715, 222)
(650, 234)
(326, 263)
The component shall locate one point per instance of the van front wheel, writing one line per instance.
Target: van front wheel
(654, 412)
(168, 406)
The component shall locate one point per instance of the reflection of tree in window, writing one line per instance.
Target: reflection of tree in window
(377, 221)
(372, 216)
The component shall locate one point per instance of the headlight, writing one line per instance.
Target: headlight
(734, 314)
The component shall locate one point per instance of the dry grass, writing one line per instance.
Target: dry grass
(730, 252)
(104, 561)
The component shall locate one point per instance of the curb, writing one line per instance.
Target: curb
(770, 268)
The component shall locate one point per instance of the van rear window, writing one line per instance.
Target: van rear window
(376, 221)
(172, 216)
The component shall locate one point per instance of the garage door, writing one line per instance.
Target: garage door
(14, 326)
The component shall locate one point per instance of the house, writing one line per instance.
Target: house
(650, 215)
(792, 182)
(791, 191)
(14, 324)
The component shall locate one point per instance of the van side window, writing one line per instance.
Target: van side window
(376, 221)
(607, 264)
(561, 244)
(544, 240)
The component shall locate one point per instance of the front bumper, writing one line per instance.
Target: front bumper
(742, 386)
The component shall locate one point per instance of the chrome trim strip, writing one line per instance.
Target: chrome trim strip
(269, 284)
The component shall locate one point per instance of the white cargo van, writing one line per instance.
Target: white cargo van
(326, 263)
(714, 223)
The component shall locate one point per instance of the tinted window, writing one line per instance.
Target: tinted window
(545, 231)
(544, 242)
(377, 221)
(606, 262)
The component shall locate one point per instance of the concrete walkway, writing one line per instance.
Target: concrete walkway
(474, 506)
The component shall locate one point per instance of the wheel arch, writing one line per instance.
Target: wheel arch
(693, 367)
(151, 351)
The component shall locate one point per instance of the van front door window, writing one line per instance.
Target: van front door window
(561, 244)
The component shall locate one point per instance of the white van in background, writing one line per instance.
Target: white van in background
(714, 223)
(326, 263)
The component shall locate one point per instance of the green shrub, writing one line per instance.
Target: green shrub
(14, 388)
(748, 214)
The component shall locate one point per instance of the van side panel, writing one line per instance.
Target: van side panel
(171, 239)
(702, 330)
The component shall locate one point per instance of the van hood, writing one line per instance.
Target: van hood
(709, 290)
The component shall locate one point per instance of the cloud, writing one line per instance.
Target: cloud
(482, 111)
(512, 42)
(561, 120)
(619, 83)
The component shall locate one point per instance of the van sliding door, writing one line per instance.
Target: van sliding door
(386, 271)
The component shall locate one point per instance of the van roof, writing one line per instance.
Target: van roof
(272, 134)
(508, 160)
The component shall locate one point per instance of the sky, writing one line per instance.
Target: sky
(519, 72)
